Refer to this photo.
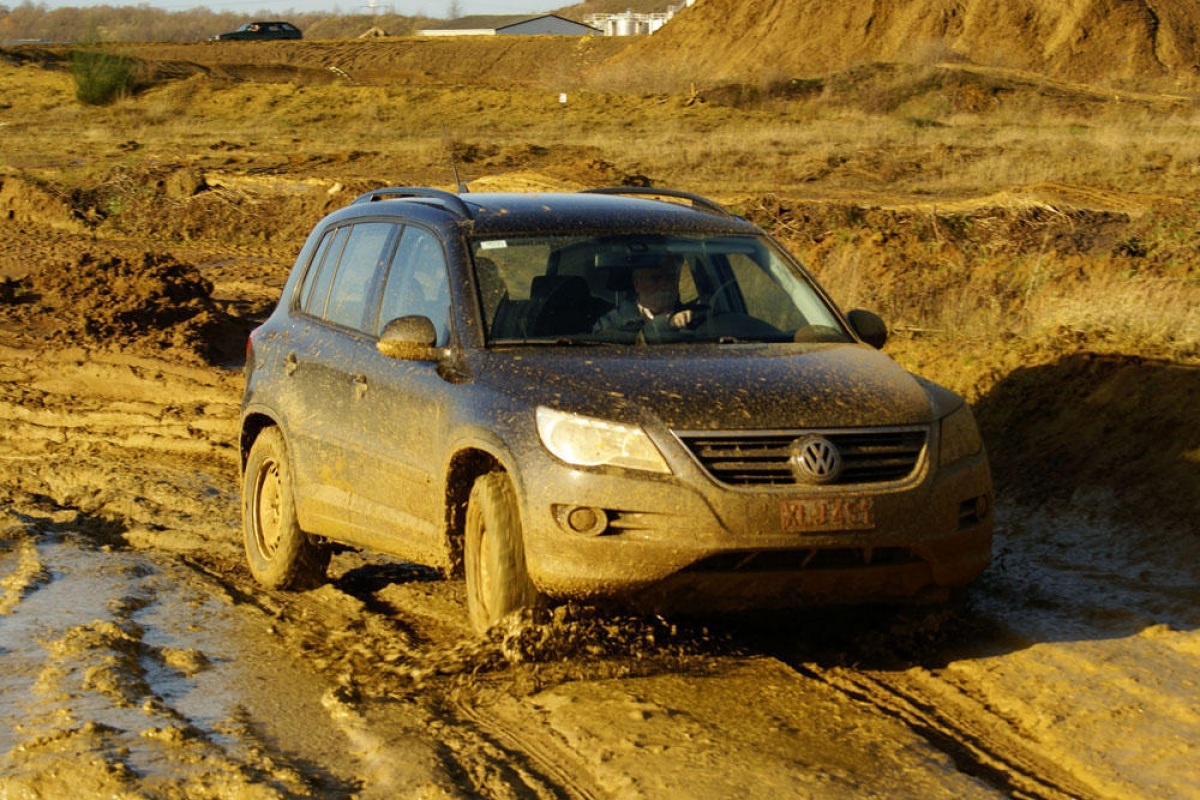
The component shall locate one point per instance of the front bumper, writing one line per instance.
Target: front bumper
(687, 543)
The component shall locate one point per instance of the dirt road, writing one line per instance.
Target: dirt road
(142, 661)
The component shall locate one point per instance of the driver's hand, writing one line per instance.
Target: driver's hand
(681, 319)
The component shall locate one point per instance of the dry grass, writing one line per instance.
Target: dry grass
(963, 251)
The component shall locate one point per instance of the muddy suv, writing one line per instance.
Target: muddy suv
(611, 395)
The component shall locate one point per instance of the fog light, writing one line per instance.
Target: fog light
(975, 510)
(584, 520)
(983, 505)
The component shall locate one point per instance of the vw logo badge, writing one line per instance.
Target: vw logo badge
(815, 459)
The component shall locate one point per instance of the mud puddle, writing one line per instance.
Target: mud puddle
(123, 671)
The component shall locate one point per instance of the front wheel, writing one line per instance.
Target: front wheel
(494, 554)
(280, 555)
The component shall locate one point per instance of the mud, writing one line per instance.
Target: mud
(141, 661)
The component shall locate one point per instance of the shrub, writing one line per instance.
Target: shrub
(100, 77)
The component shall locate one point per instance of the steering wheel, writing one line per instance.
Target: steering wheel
(725, 288)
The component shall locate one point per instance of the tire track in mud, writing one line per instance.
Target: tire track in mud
(979, 742)
(378, 649)
(117, 672)
(503, 741)
(118, 470)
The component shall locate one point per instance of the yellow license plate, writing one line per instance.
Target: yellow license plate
(828, 514)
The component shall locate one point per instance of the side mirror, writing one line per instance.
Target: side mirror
(409, 339)
(869, 326)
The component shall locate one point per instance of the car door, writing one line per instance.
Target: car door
(398, 414)
(329, 333)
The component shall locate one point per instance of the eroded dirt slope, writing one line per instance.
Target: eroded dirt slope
(1094, 41)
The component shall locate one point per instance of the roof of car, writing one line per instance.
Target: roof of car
(615, 209)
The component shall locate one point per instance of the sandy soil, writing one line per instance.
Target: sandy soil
(141, 661)
(1096, 41)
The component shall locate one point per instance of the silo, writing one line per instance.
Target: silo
(625, 25)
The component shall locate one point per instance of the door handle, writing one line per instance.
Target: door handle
(360, 385)
(290, 363)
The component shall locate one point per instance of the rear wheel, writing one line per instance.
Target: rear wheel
(280, 555)
(494, 554)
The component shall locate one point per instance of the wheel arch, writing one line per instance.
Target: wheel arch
(465, 467)
(252, 425)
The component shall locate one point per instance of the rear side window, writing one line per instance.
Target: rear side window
(315, 289)
(338, 286)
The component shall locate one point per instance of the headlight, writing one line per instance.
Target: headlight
(960, 436)
(588, 442)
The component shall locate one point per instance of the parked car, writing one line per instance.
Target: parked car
(447, 378)
(261, 30)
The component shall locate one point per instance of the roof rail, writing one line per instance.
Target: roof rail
(698, 201)
(447, 200)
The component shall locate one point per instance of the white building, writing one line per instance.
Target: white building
(521, 24)
(631, 24)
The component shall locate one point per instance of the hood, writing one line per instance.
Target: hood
(712, 388)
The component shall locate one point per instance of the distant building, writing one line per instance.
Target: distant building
(519, 24)
(628, 23)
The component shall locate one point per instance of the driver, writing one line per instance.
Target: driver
(656, 305)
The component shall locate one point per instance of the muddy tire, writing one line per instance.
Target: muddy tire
(494, 554)
(280, 555)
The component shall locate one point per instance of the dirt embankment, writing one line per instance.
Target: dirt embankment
(498, 61)
(1092, 41)
(714, 42)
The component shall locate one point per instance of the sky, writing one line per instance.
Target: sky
(429, 8)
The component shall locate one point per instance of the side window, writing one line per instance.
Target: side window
(320, 273)
(417, 283)
(361, 259)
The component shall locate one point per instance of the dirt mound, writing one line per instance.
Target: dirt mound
(155, 303)
(24, 202)
(1106, 429)
(1087, 40)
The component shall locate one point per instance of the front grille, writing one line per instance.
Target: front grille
(758, 458)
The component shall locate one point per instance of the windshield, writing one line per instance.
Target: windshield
(647, 289)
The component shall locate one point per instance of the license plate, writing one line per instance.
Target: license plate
(828, 514)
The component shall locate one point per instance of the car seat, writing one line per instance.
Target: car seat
(561, 305)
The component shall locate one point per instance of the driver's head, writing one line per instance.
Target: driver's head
(657, 286)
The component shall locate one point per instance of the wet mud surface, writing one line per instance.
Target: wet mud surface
(142, 661)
